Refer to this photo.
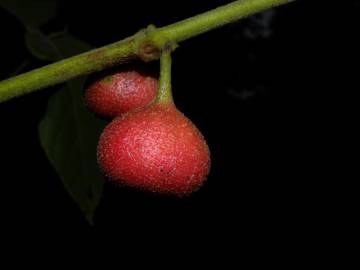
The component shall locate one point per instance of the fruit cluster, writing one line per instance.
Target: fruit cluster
(149, 145)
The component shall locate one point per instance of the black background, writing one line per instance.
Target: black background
(268, 104)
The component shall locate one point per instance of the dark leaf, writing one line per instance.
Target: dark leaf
(55, 46)
(31, 12)
(20, 68)
(41, 46)
(69, 44)
(69, 135)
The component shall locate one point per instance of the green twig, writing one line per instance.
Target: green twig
(146, 45)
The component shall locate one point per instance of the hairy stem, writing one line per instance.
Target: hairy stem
(146, 44)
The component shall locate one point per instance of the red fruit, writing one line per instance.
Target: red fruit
(120, 92)
(156, 149)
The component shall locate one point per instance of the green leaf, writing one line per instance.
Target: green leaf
(31, 12)
(54, 47)
(68, 44)
(41, 46)
(69, 134)
(24, 64)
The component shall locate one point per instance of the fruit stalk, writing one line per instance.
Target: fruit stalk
(164, 94)
(146, 45)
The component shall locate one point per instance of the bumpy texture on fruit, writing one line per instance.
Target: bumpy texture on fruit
(120, 92)
(156, 149)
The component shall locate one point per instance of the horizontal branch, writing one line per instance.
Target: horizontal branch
(145, 45)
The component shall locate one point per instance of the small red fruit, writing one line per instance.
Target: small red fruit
(156, 149)
(120, 92)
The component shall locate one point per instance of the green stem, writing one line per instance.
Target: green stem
(164, 94)
(215, 18)
(67, 69)
(145, 45)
